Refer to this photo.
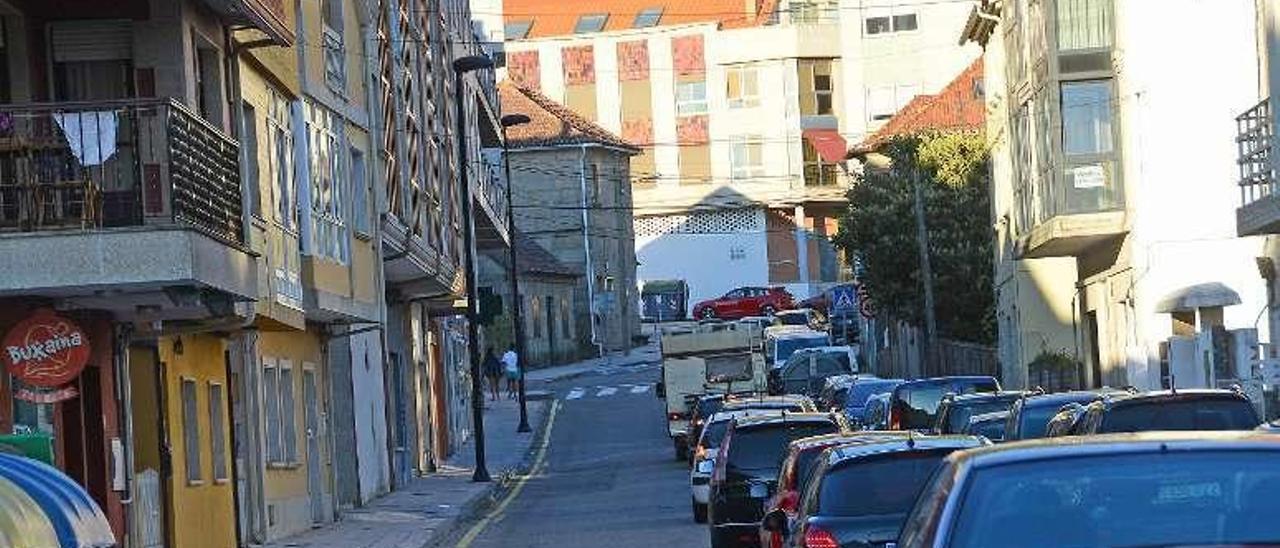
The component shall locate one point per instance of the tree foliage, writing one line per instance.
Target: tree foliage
(879, 229)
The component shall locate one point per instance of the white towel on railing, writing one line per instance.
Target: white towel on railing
(91, 135)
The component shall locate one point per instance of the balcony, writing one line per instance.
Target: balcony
(1259, 211)
(1068, 211)
(121, 196)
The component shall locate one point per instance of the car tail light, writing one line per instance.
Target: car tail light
(789, 502)
(816, 537)
(699, 454)
(895, 418)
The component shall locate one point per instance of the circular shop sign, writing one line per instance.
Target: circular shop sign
(45, 350)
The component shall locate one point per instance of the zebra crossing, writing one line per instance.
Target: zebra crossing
(606, 391)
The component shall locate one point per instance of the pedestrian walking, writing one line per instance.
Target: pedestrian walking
(492, 371)
(511, 364)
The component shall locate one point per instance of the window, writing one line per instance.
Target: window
(191, 432)
(249, 143)
(359, 193)
(335, 72)
(904, 93)
(277, 389)
(647, 17)
(744, 87)
(1086, 117)
(878, 25)
(565, 317)
(218, 438)
(880, 104)
(592, 22)
(746, 158)
(329, 229)
(817, 172)
(816, 87)
(904, 23)
(208, 89)
(812, 11)
(535, 317)
(517, 30)
(1084, 24)
(691, 98)
(280, 143)
(595, 185)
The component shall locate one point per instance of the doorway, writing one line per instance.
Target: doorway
(1095, 353)
(315, 479)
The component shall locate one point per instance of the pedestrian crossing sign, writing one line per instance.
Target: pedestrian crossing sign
(843, 299)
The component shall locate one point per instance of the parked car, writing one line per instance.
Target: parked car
(988, 425)
(875, 414)
(1066, 422)
(745, 301)
(955, 410)
(860, 394)
(780, 342)
(791, 403)
(806, 317)
(747, 466)
(834, 391)
(860, 493)
(700, 409)
(704, 455)
(797, 469)
(1029, 416)
(1149, 489)
(806, 371)
(1169, 410)
(913, 405)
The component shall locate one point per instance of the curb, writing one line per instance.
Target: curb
(480, 503)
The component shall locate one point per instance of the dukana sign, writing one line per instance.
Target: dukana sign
(46, 350)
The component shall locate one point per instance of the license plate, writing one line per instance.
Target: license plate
(759, 491)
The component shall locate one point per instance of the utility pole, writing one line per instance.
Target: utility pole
(926, 275)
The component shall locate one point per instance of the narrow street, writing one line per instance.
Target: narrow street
(610, 478)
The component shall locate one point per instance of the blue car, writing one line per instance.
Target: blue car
(862, 390)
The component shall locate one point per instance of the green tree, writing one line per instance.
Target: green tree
(879, 229)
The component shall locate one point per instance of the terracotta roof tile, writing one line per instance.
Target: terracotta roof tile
(958, 106)
(558, 17)
(550, 123)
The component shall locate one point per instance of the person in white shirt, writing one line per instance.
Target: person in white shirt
(511, 367)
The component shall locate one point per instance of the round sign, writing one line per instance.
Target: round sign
(46, 350)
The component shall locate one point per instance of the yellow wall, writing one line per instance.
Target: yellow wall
(142, 385)
(203, 512)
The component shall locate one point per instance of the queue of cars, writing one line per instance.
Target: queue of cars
(862, 461)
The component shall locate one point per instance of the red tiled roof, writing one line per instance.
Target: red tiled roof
(959, 106)
(558, 17)
(550, 123)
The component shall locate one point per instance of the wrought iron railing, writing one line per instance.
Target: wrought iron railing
(1254, 132)
(105, 164)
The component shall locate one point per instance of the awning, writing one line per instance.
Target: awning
(828, 142)
(1205, 295)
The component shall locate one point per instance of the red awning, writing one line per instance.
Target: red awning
(829, 144)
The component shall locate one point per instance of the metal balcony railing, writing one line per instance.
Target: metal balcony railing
(1254, 132)
(105, 164)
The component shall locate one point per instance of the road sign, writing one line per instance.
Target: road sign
(843, 299)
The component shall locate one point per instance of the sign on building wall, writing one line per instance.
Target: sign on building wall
(45, 352)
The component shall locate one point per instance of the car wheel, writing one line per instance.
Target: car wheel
(699, 512)
(708, 313)
(767, 310)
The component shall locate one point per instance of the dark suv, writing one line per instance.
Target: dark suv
(955, 410)
(746, 470)
(1168, 410)
(913, 405)
(1029, 417)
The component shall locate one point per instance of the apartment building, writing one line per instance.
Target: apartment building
(1111, 247)
(742, 113)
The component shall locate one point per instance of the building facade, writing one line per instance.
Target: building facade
(547, 288)
(742, 115)
(572, 192)
(1099, 234)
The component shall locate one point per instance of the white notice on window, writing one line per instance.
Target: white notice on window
(1089, 177)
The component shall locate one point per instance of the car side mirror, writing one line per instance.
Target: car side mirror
(775, 521)
(660, 390)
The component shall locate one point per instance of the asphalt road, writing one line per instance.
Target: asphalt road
(610, 478)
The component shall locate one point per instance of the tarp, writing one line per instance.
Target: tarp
(22, 522)
(76, 518)
(828, 142)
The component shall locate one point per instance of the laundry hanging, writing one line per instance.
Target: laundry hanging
(91, 135)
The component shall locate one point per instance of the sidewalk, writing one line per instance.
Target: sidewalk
(429, 509)
(432, 509)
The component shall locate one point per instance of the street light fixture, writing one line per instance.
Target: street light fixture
(461, 67)
(517, 318)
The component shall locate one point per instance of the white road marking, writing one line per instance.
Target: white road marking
(574, 394)
(639, 389)
(606, 391)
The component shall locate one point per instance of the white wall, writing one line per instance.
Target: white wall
(703, 260)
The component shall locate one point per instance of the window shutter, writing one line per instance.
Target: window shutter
(106, 40)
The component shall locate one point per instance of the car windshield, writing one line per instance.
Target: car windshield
(793, 319)
(709, 406)
(786, 347)
(960, 413)
(1195, 414)
(1165, 499)
(1033, 422)
(990, 429)
(863, 390)
(713, 433)
(880, 485)
(806, 465)
(762, 448)
(918, 403)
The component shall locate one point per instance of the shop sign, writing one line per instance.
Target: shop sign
(45, 350)
(46, 396)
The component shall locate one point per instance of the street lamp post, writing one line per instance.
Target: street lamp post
(461, 67)
(517, 319)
